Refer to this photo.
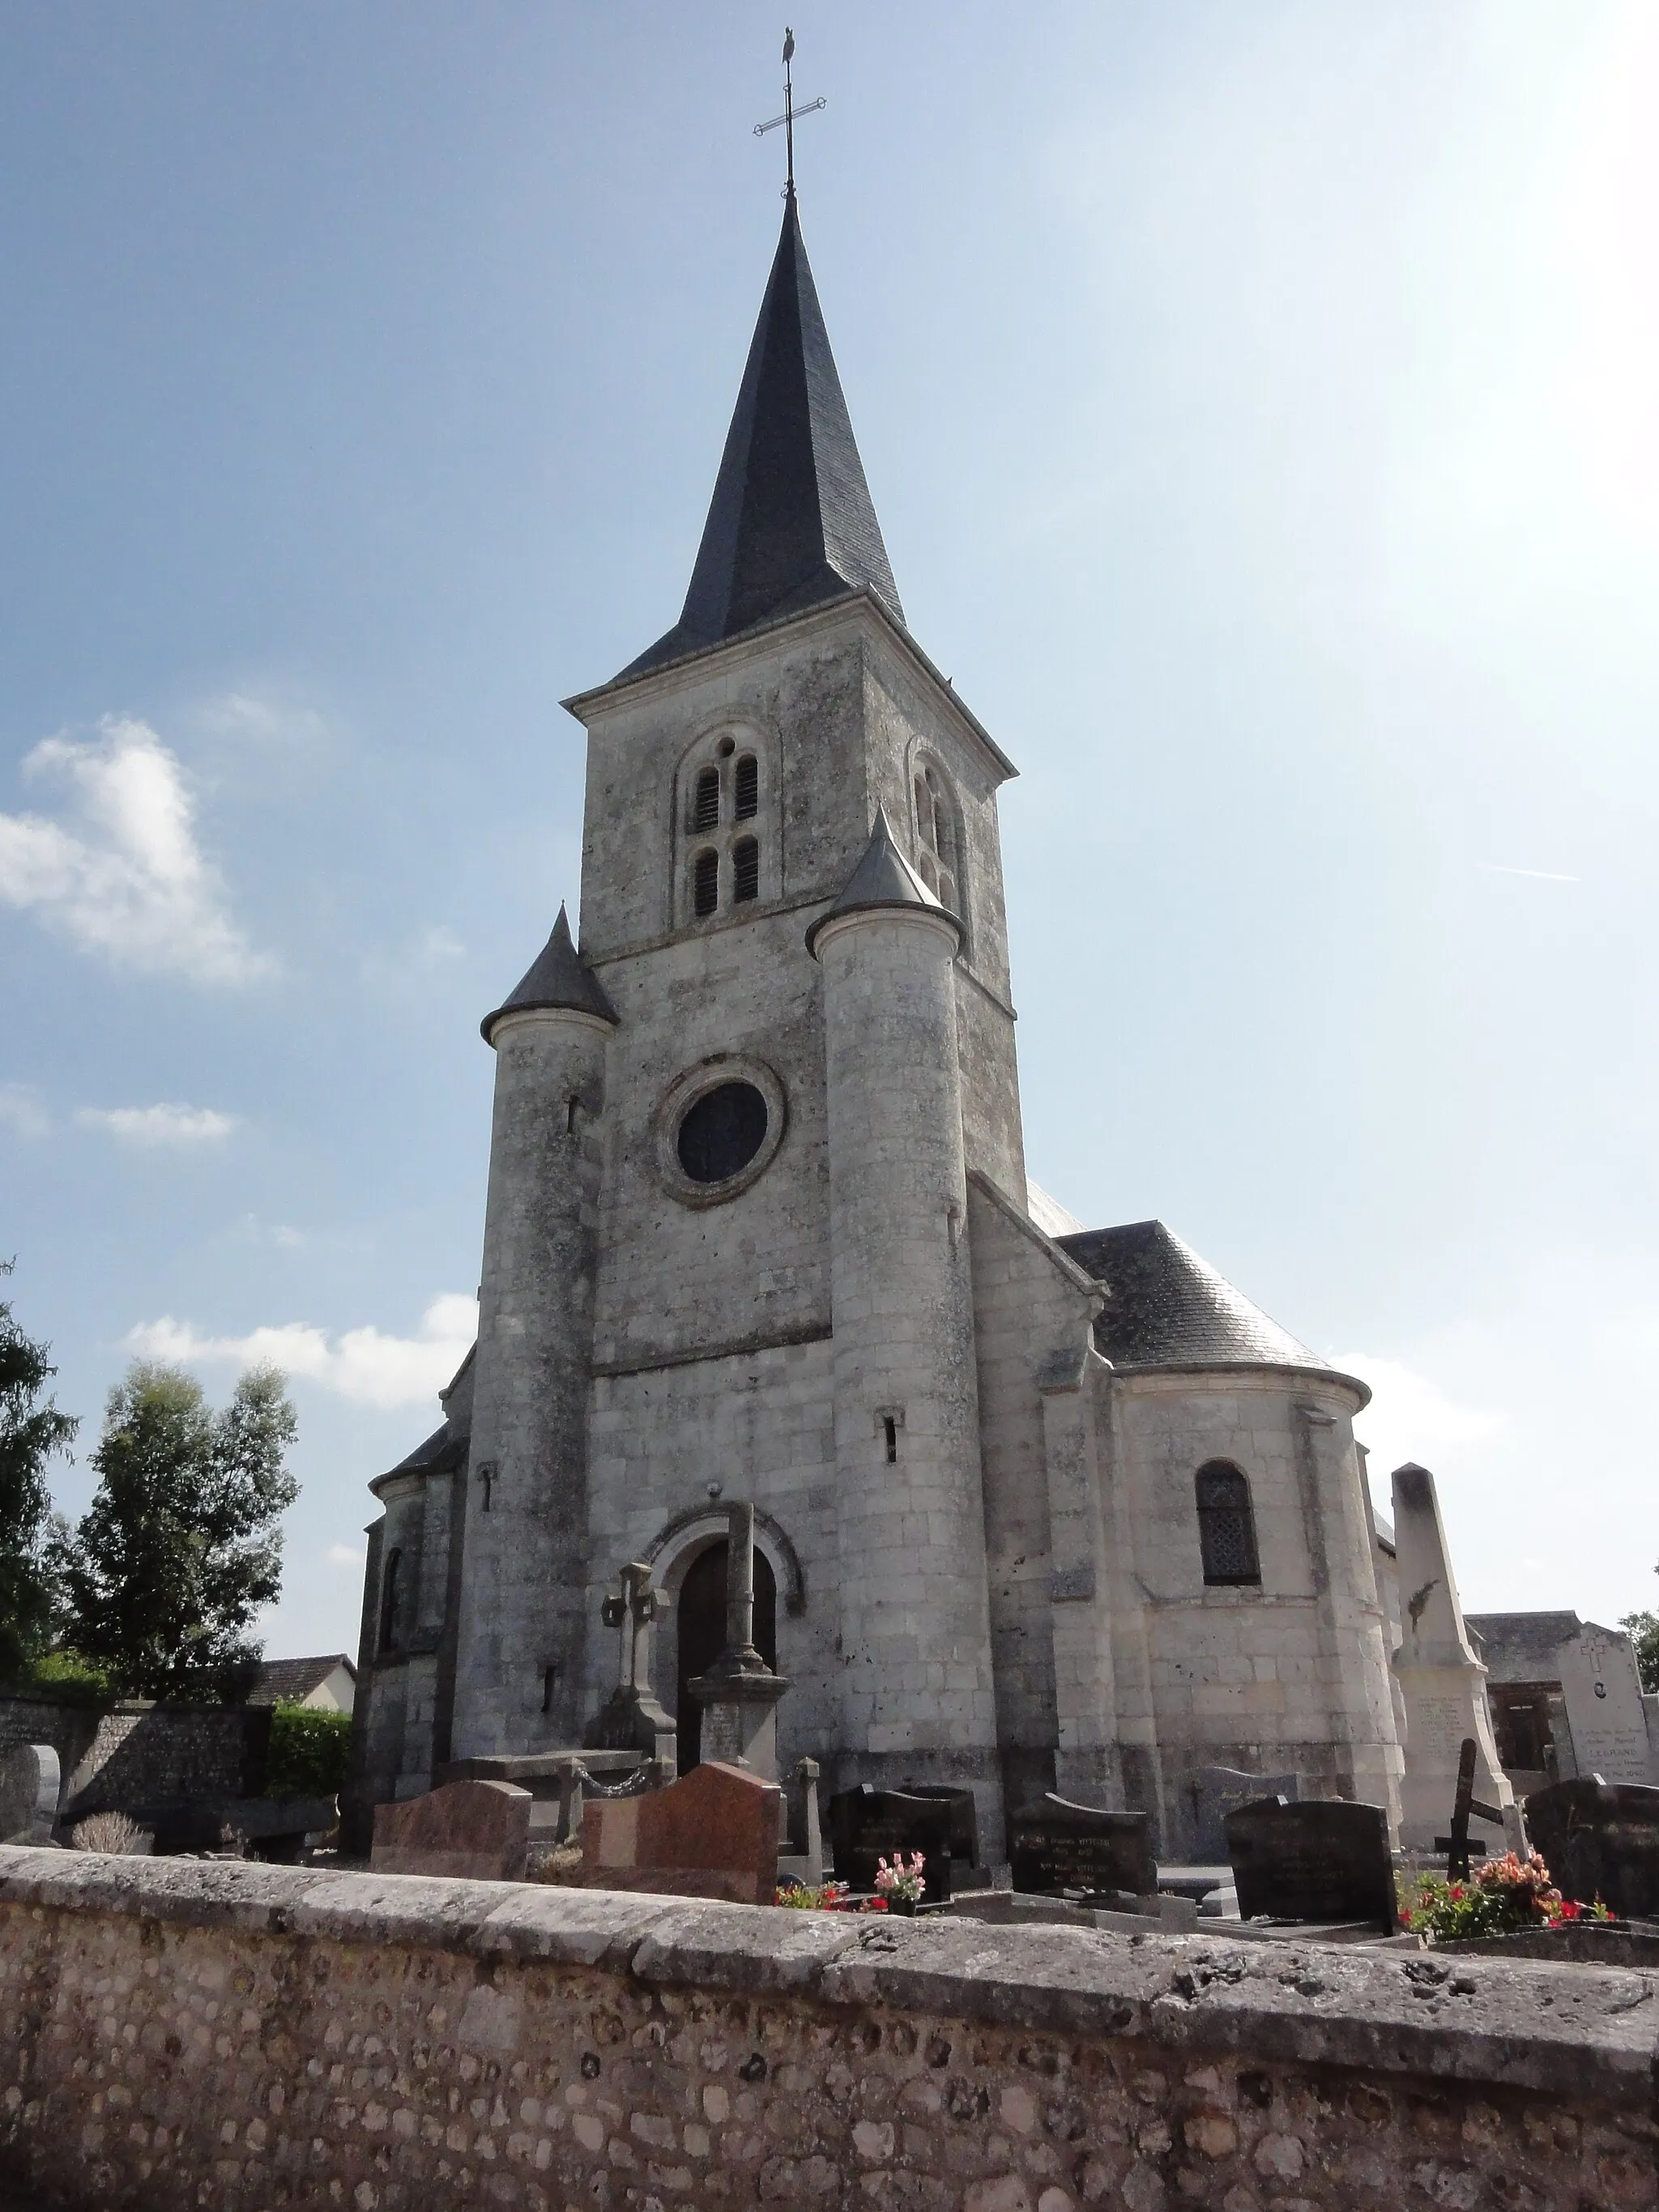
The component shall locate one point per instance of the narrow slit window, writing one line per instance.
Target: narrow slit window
(1226, 1525)
(550, 1683)
(572, 1106)
(486, 1485)
(890, 1432)
(391, 1598)
(748, 788)
(706, 799)
(746, 869)
(705, 882)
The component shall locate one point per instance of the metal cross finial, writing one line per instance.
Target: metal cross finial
(790, 111)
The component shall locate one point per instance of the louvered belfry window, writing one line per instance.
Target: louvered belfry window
(746, 869)
(748, 788)
(705, 882)
(705, 801)
(1226, 1525)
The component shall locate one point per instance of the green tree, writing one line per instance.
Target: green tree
(1642, 1629)
(180, 1546)
(30, 1431)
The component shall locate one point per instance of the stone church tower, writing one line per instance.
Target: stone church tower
(1034, 1507)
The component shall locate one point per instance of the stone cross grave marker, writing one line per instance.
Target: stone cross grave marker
(475, 1831)
(1322, 1860)
(1218, 1790)
(714, 1833)
(1056, 1846)
(30, 1779)
(632, 1719)
(1600, 1839)
(867, 1824)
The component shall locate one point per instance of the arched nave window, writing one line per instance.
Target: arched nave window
(1226, 1525)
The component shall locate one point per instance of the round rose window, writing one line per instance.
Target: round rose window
(722, 1131)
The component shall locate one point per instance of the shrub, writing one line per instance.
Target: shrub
(109, 1832)
(68, 1677)
(310, 1751)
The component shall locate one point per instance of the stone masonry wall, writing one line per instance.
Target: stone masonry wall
(134, 1754)
(238, 2037)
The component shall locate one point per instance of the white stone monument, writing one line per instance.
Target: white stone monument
(1442, 1682)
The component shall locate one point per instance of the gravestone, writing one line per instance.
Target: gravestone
(631, 1719)
(1325, 1859)
(714, 1833)
(962, 1834)
(1441, 1681)
(1056, 1846)
(475, 1831)
(30, 1779)
(1600, 1839)
(740, 1693)
(867, 1824)
(1218, 1790)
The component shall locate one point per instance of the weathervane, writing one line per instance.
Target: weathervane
(790, 111)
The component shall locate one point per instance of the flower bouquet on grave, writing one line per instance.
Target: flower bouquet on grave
(831, 1896)
(1504, 1894)
(898, 1886)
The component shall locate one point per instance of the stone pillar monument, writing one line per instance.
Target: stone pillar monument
(918, 1698)
(740, 1693)
(1443, 1684)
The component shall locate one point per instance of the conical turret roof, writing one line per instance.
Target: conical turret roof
(883, 877)
(558, 976)
(791, 523)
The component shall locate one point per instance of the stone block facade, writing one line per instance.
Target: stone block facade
(792, 886)
(240, 2038)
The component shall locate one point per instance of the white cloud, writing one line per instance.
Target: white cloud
(21, 1112)
(129, 880)
(155, 1126)
(363, 1365)
(1412, 1418)
(344, 1555)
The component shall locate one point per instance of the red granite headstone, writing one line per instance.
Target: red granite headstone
(479, 1830)
(712, 1834)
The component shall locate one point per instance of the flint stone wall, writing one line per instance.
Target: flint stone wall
(132, 1753)
(234, 2036)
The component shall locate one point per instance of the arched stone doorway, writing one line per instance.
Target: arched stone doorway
(701, 1610)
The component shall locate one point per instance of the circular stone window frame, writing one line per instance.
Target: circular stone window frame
(677, 1100)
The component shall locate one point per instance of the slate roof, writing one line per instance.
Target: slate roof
(1522, 1647)
(1167, 1308)
(883, 877)
(558, 976)
(291, 1681)
(791, 523)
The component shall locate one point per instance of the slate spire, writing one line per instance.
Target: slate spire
(558, 976)
(791, 524)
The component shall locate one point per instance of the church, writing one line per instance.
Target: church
(1036, 1506)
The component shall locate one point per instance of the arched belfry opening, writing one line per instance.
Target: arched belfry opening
(701, 1608)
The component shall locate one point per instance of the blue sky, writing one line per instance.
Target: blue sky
(1258, 404)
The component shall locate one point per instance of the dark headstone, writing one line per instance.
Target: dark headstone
(867, 1824)
(1324, 1860)
(1056, 1846)
(1218, 1790)
(962, 1834)
(1600, 1839)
